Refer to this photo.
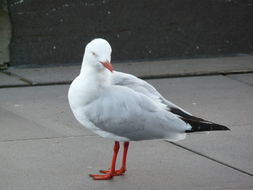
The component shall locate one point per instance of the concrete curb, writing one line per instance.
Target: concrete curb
(145, 70)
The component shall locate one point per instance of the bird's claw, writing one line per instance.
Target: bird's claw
(107, 174)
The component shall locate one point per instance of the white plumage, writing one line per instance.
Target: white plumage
(125, 108)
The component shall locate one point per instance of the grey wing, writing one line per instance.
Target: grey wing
(141, 86)
(126, 113)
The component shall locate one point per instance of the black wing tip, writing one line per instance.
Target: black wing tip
(198, 124)
(207, 127)
(226, 129)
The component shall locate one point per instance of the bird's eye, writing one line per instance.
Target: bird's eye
(93, 53)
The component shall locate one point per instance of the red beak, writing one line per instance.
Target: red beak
(107, 65)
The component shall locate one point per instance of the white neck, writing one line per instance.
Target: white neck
(97, 78)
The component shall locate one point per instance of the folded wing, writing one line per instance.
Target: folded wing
(127, 113)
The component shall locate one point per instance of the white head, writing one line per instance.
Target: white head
(98, 55)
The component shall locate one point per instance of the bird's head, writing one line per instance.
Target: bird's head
(98, 54)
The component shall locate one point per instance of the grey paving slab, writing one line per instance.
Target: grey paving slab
(6, 80)
(245, 78)
(146, 69)
(14, 127)
(222, 100)
(46, 106)
(48, 74)
(65, 164)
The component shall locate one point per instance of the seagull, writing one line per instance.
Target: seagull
(125, 108)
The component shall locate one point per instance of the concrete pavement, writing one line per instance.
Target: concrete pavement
(43, 147)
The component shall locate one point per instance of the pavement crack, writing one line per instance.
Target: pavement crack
(18, 77)
(238, 80)
(44, 138)
(210, 158)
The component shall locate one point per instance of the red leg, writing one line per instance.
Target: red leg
(123, 164)
(112, 171)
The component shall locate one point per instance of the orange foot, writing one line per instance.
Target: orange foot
(102, 176)
(117, 172)
(108, 174)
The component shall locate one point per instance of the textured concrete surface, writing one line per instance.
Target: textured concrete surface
(169, 68)
(45, 148)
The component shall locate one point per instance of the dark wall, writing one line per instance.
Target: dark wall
(56, 31)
